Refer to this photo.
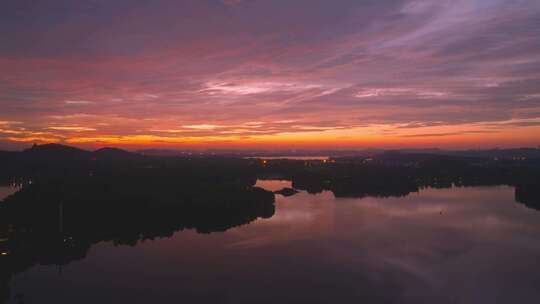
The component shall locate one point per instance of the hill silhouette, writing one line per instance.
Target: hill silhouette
(66, 153)
(108, 153)
(56, 151)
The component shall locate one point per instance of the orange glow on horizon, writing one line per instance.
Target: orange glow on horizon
(334, 139)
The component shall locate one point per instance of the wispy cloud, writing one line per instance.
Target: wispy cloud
(71, 128)
(78, 102)
(319, 70)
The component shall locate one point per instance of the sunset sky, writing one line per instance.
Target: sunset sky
(270, 73)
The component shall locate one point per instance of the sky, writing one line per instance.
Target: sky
(270, 74)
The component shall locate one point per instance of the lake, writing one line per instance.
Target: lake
(455, 245)
(6, 191)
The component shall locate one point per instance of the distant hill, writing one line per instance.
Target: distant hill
(56, 152)
(502, 153)
(488, 153)
(115, 154)
(62, 153)
(55, 148)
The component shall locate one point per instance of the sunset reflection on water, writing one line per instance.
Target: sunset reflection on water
(438, 245)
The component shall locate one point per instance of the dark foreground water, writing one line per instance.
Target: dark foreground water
(459, 245)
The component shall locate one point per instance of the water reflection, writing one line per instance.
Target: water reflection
(57, 223)
(8, 190)
(455, 245)
(273, 184)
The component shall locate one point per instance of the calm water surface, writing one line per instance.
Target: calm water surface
(6, 191)
(460, 245)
